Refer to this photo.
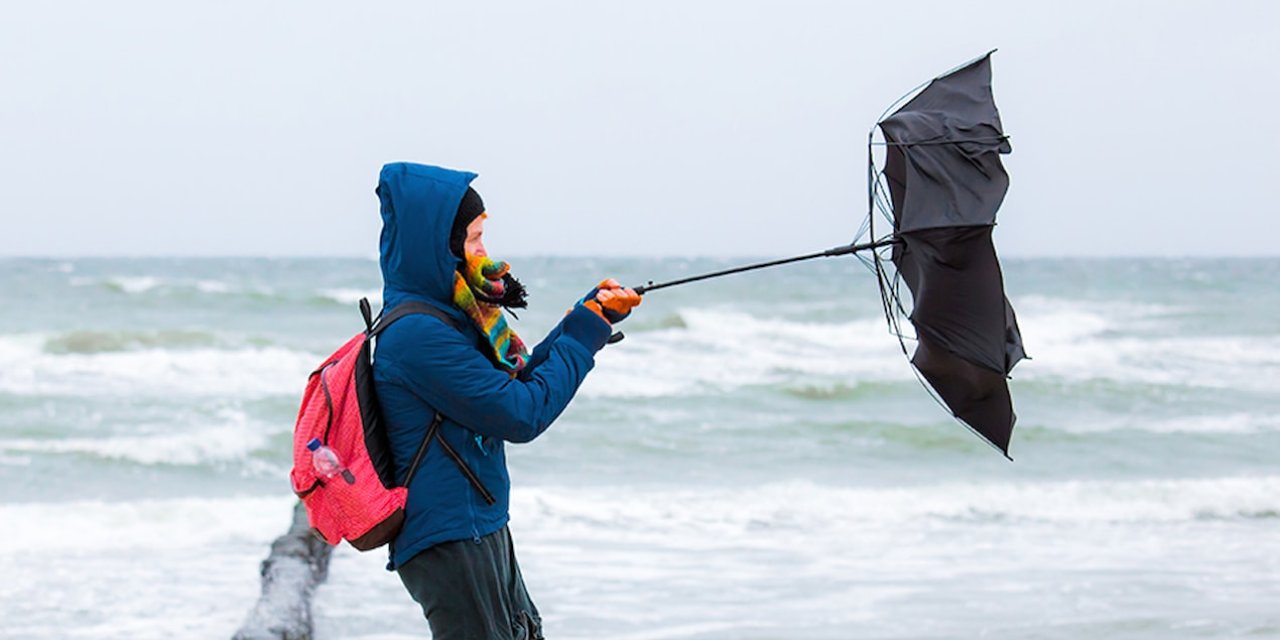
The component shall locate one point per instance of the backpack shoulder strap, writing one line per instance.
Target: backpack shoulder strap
(387, 317)
(433, 430)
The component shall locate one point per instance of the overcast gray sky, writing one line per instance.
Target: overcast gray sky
(723, 128)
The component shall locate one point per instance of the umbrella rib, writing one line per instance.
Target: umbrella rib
(925, 143)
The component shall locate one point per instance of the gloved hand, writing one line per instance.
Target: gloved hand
(611, 301)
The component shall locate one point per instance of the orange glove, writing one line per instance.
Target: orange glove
(611, 301)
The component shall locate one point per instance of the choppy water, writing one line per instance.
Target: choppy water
(756, 460)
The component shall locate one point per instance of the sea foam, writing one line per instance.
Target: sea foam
(795, 507)
(711, 351)
(26, 368)
(707, 351)
(180, 523)
(148, 569)
(231, 438)
(346, 296)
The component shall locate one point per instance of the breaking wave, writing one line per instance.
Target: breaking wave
(712, 351)
(698, 351)
(791, 508)
(28, 368)
(714, 515)
(139, 284)
(231, 437)
(350, 297)
(183, 523)
(89, 342)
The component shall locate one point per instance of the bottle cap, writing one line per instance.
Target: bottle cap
(314, 444)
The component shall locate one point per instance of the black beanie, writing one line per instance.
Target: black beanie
(514, 295)
(468, 210)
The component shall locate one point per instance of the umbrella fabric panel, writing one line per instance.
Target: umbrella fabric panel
(957, 293)
(943, 153)
(976, 395)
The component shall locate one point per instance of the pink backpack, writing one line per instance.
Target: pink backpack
(363, 504)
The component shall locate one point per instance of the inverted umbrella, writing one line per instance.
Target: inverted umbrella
(945, 183)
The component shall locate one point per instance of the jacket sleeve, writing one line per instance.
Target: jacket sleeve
(442, 367)
(540, 352)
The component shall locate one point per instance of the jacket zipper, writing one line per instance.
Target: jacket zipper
(471, 506)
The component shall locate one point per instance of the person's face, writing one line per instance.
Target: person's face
(475, 237)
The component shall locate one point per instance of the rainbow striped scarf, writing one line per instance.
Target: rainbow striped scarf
(481, 277)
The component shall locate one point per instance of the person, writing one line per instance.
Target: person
(454, 553)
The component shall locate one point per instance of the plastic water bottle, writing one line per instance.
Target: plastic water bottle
(326, 462)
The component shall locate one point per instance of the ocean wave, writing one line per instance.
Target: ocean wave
(792, 560)
(1129, 343)
(26, 368)
(188, 288)
(658, 323)
(350, 297)
(699, 351)
(712, 351)
(785, 509)
(179, 287)
(1214, 362)
(752, 516)
(212, 286)
(1233, 423)
(181, 523)
(1046, 319)
(232, 437)
(89, 342)
(830, 389)
(15, 461)
(133, 284)
(1118, 310)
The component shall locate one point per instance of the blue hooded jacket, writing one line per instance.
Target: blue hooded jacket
(422, 365)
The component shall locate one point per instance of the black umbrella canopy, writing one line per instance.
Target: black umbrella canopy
(944, 145)
(946, 182)
(943, 172)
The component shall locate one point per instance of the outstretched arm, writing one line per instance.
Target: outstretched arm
(443, 368)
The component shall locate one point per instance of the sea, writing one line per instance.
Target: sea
(756, 459)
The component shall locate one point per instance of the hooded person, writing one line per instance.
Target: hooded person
(454, 553)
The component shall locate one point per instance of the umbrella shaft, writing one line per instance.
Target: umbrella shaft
(837, 251)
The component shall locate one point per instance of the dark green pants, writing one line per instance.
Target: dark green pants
(472, 590)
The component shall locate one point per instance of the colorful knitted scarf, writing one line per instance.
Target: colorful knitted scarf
(478, 282)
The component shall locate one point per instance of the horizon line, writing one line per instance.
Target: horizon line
(626, 256)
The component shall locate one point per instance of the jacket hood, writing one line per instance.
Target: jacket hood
(419, 203)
